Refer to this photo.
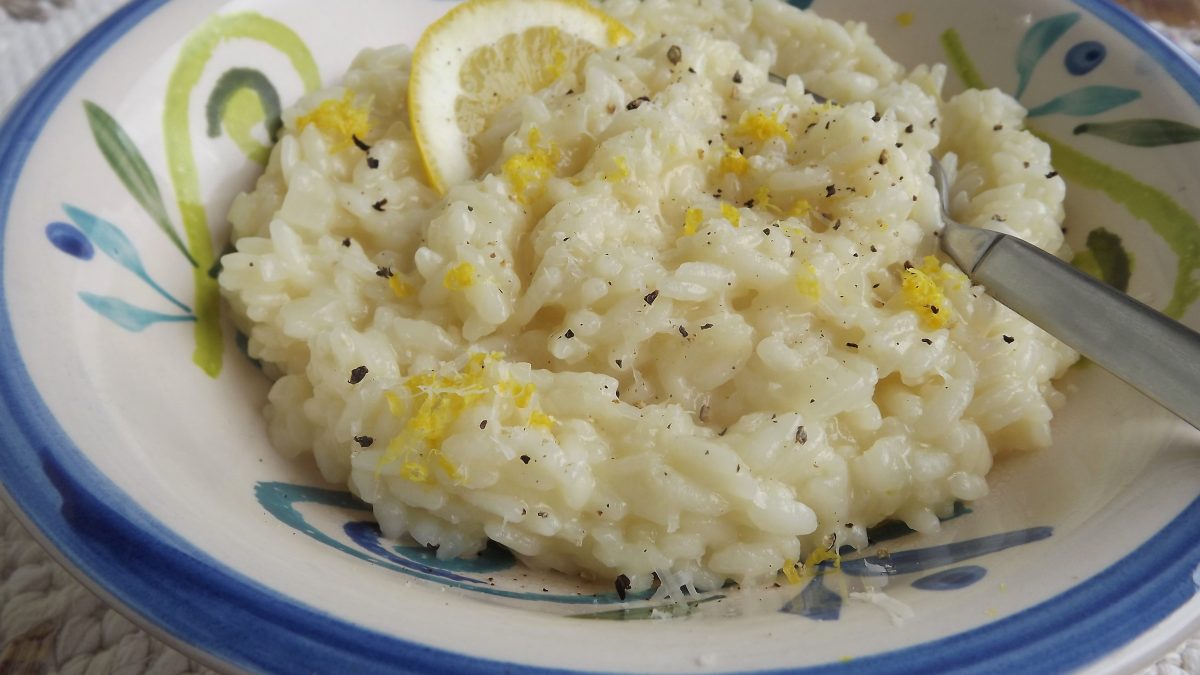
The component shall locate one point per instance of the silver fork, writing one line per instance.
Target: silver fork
(1158, 356)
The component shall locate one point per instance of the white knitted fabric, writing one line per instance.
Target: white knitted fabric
(49, 624)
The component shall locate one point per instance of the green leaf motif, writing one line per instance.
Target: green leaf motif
(241, 99)
(133, 171)
(1037, 41)
(1143, 133)
(1087, 101)
(1106, 259)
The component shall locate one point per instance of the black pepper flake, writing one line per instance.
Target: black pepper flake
(908, 265)
(570, 92)
(683, 331)
(998, 127)
(357, 375)
(801, 435)
(934, 309)
(378, 206)
(524, 459)
(570, 333)
(852, 345)
(358, 143)
(838, 225)
(483, 424)
(749, 203)
(364, 441)
(620, 363)
(1052, 174)
(876, 117)
(767, 231)
(830, 190)
(384, 272)
(372, 163)
(706, 326)
(651, 297)
(883, 157)
(674, 55)
(927, 341)
(908, 129)
(1009, 339)
(873, 249)
(622, 585)
(470, 209)
(637, 102)
(346, 242)
(691, 70)
(737, 77)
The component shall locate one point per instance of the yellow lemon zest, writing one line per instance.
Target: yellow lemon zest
(808, 283)
(339, 119)
(540, 419)
(800, 209)
(459, 277)
(923, 294)
(762, 199)
(730, 213)
(821, 555)
(528, 172)
(618, 34)
(790, 573)
(734, 162)
(946, 278)
(692, 219)
(905, 19)
(437, 402)
(762, 126)
(399, 287)
(622, 171)
(396, 404)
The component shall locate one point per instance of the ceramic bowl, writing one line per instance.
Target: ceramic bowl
(133, 443)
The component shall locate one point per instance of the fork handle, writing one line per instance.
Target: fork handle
(1156, 355)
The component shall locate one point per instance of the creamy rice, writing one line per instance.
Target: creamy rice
(686, 323)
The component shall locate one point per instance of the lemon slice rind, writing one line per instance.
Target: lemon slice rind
(450, 41)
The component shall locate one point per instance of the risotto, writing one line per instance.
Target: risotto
(687, 322)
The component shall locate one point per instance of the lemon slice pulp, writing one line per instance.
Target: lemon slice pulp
(482, 55)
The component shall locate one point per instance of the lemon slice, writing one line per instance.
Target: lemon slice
(482, 55)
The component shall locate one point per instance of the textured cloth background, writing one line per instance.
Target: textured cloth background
(48, 622)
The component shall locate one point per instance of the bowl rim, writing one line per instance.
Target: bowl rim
(139, 566)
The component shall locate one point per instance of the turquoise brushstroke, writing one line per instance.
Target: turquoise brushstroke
(1037, 41)
(1087, 101)
(112, 242)
(132, 318)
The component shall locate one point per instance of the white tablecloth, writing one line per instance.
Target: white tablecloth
(48, 622)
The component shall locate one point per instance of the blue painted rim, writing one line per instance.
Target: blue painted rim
(168, 583)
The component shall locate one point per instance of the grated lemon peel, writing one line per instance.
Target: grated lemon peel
(460, 277)
(339, 119)
(430, 404)
(923, 289)
(808, 283)
(763, 126)
(693, 218)
(733, 161)
(729, 212)
(528, 172)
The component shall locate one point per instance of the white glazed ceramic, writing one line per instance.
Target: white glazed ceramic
(134, 446)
